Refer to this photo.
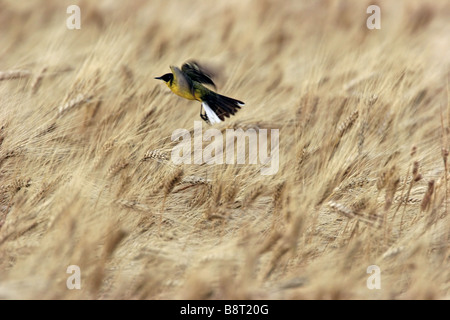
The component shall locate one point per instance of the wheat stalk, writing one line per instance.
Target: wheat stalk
(14, 74)
(278, 195)
(252, 195)
(134, 205)
(157, 155)
(118, 166)
(173, 179)
(38, 80)
(346, 125)
(79, 100)
(425, 204)
(416, 176)
(105, 150)
(354, 211)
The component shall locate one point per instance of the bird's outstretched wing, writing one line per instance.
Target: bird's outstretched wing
(198, 73)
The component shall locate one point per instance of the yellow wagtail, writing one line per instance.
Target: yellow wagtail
(187, 83)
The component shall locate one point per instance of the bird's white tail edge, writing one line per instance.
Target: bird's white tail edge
(212, 116)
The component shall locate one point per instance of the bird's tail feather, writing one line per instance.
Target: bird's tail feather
(210, 114)
(221, 106)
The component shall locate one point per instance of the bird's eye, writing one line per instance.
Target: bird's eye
(167, 77)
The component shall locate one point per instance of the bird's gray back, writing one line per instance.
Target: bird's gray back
(183, 81)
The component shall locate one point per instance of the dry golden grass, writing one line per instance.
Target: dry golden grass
(86, 177)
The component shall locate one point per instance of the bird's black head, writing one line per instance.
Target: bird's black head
(168, 77)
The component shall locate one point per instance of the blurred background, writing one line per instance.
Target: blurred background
(85, 141)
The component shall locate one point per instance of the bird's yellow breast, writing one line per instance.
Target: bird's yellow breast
(182, 92)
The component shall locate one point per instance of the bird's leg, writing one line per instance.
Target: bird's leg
(203, 116)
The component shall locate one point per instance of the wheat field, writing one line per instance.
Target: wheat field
(86, 176)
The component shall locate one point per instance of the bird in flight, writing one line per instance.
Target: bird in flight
(188, 83)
